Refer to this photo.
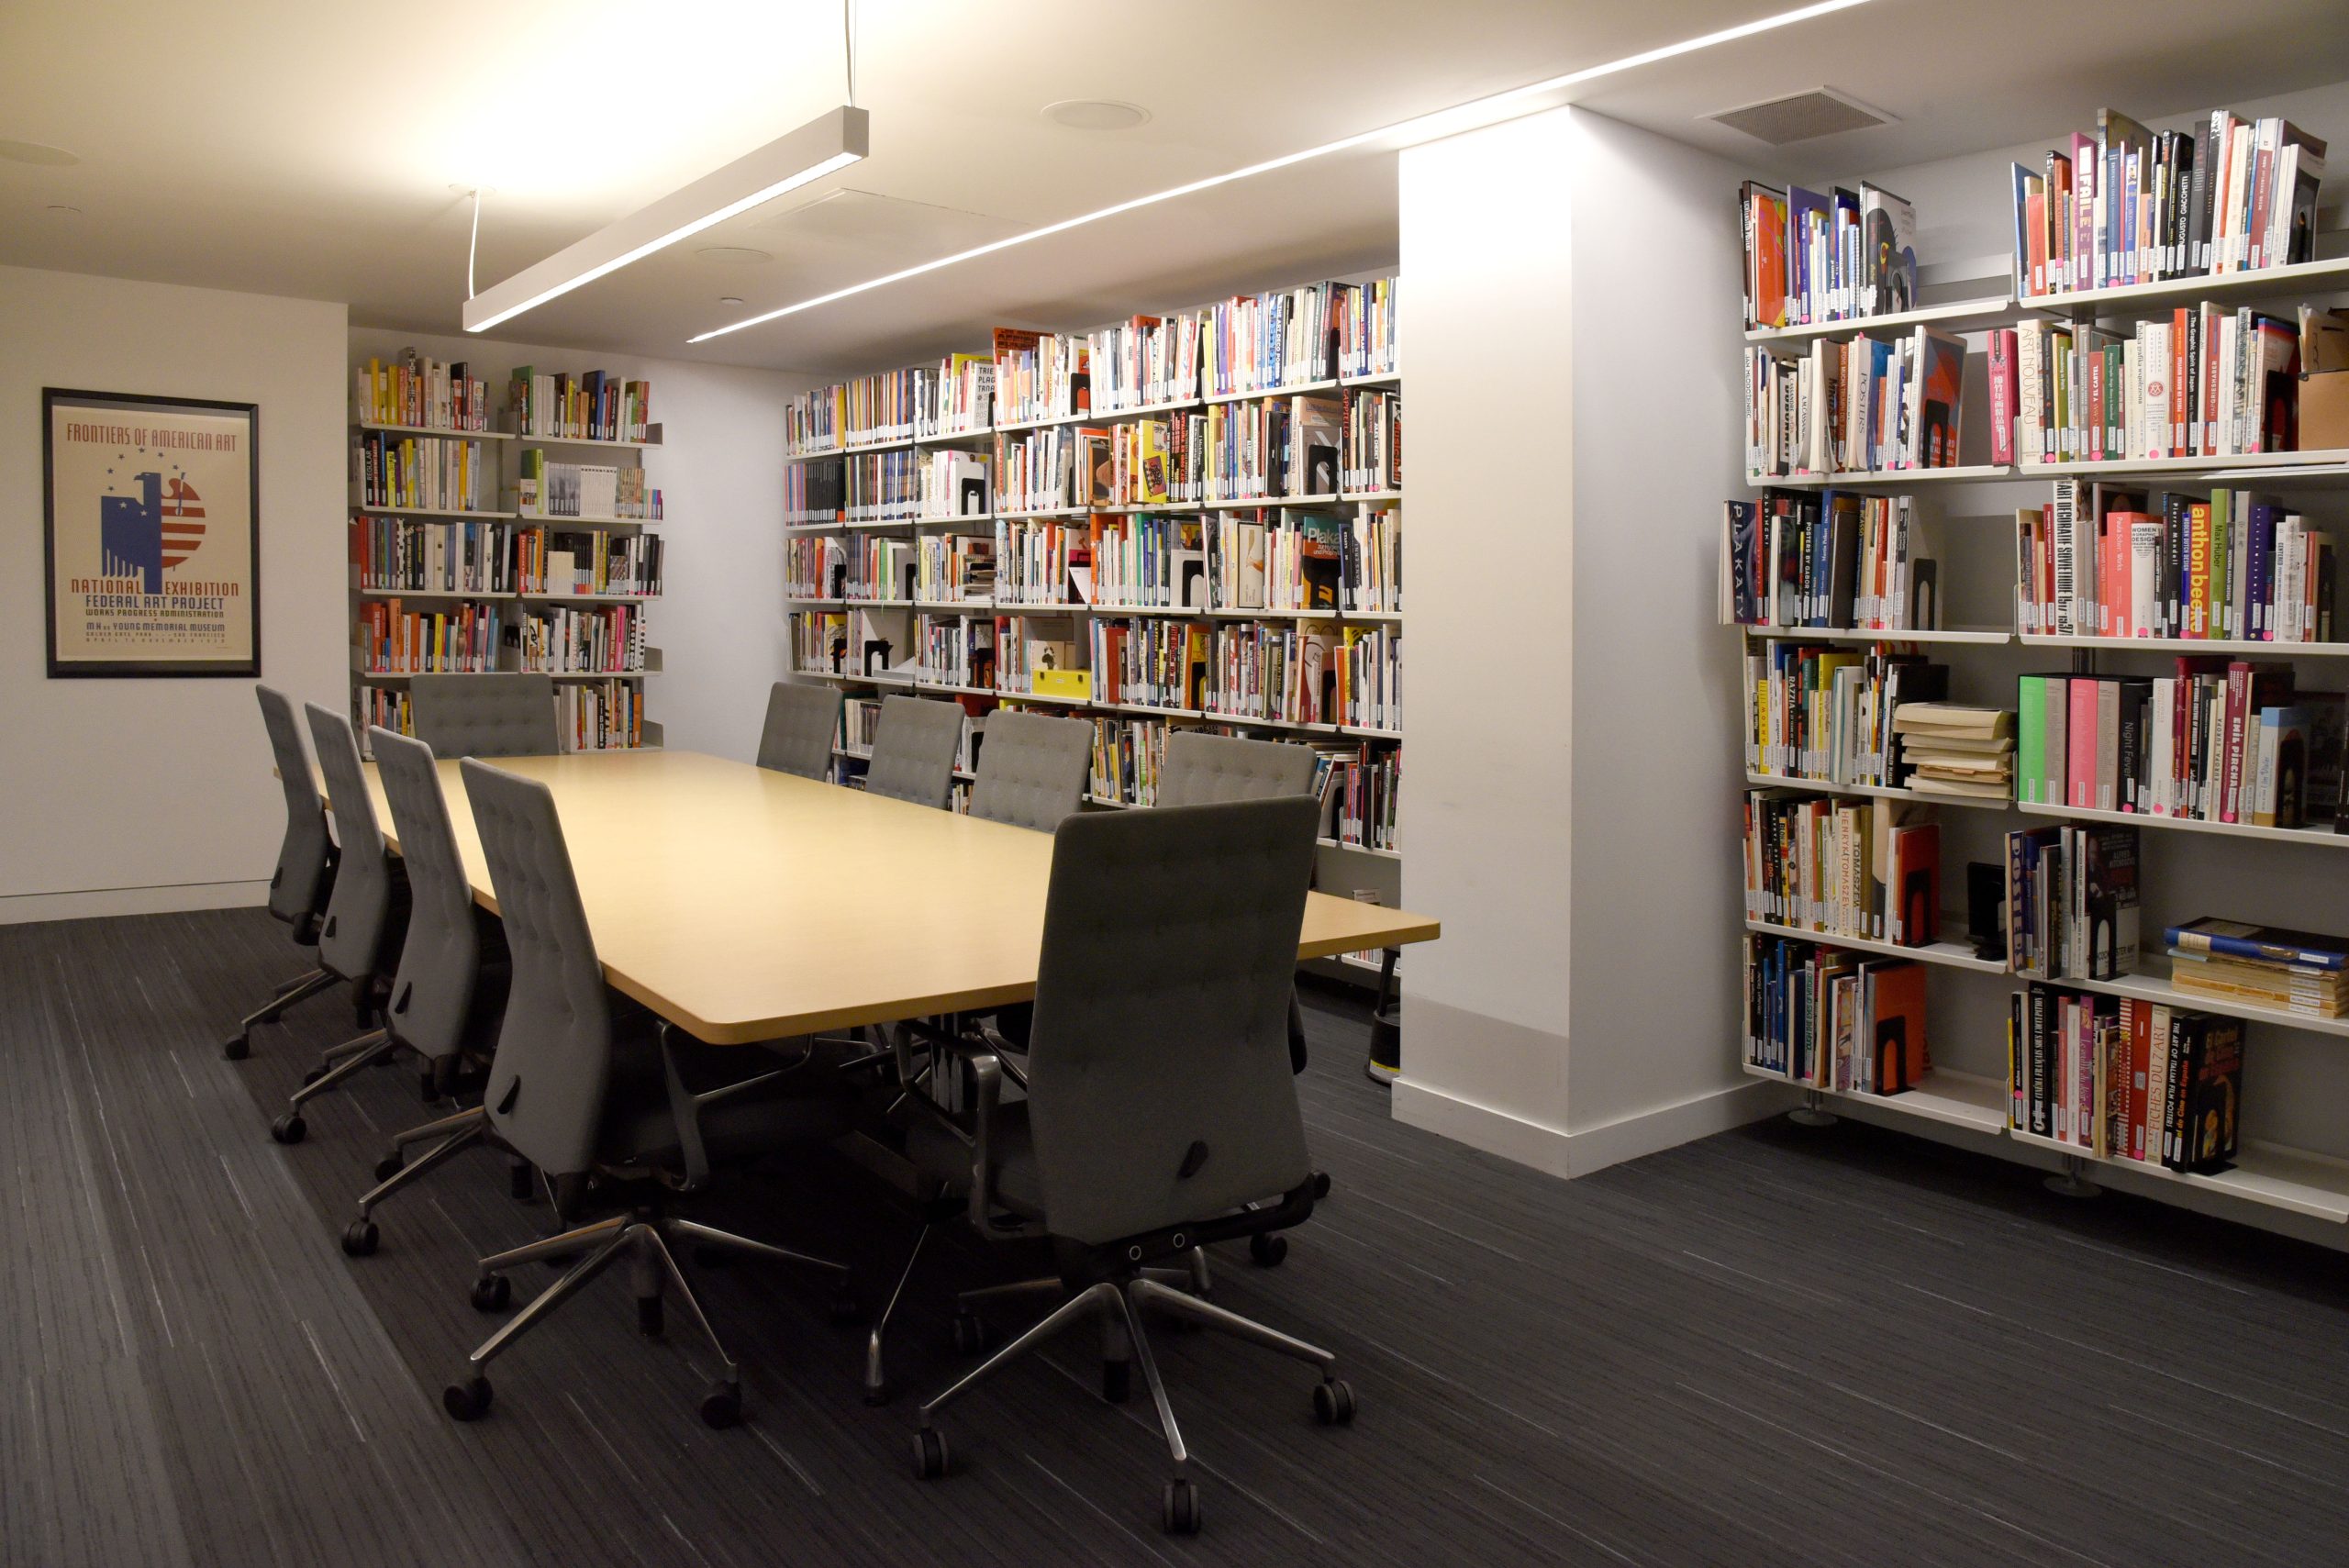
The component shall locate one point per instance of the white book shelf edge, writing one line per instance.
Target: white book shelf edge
(1961, 1099)
(2319, 837)
(442, 430)
(1949, 955)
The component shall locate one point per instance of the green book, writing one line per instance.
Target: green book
(2223, 614)
(2031, 736)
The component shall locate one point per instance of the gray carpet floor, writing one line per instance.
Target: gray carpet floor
(1772, 1347)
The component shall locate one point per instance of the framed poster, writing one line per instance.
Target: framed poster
(152, 540)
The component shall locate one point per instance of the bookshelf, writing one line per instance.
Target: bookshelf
(486, 578)
(2290, 1162)
(1049, 450)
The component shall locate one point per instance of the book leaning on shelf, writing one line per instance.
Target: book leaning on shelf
(1832, 560)
(1869, 405)
(1813, 258)
(459, 638)
(2126, 1079)
(2108, 560)
(2127, 206)
(1835, 1020)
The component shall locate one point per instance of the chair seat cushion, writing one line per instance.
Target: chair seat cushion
(943, 1157)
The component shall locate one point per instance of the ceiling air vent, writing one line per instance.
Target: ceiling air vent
(1798, 117)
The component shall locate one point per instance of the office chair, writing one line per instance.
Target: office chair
(450, 990)
(913, 750)
(299, 887)
(1159, 1106)
(581, 1084)
(803, 724)
(366, 919)
(1032, 769)
(501, 715)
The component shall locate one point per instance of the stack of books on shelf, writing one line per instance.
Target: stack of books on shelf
(417, 555)
(1832, 560)
(1811, 258)
(2127, 205)
(421, 473)
(1042, 470)
(1949, 749)
(1834, 1019)
(2219, 740)
(813, 491)
(1827, 712)
(1148, 561)
(606, 639)
(1867, 869)
(557, 561)
(1040, 375)
(393, 640)
(1369, 332)
(547, 489)
(600, 716)
(882, 486)
(2121, 1078)
(2208, 382)
(886, 405)
(1149, 662)
(2071, 901)
(813, 421)
(1866, 407)
(952, 569)
(595, 407)
(421, 394)
(878, 568)
(1143, 362)
(2291, 971)
(1370, 457)
(1273, 448)
(957, 397)
(2105, 560)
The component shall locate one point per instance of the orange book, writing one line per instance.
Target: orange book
(1898, 1054)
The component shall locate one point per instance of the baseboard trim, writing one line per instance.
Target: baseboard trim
(22, 909)
(1577, 1152)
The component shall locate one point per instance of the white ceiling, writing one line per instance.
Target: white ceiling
(306, 148)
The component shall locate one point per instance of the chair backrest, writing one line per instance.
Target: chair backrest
(1201, 769)
(1032, 769)
(913, 750)
(432, 994)
(503, 715)
(304, 857)
(359, 916)
(1160, 1039)
(802, 724)
(554, 1050)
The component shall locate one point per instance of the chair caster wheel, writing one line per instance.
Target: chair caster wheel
(390, 1165)
(1321, 1186)
(1116, 1381)
(722, 1406)
(360, 1239)
(312, 1076)
(237, 1049)
(289, 1129)
(1266, 1249)
(648, 1318)
(970, 1333)
(931, 1456)
(467, 1401)
(1333, 1404)
(1178, 1509)
(845, 1311)
(492, 1293)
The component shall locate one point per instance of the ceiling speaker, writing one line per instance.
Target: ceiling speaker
(1798, 117)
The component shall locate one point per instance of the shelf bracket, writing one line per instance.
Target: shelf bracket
(1813, 1111)
(2072, 1180)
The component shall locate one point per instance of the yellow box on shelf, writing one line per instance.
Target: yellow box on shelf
(1072, 684)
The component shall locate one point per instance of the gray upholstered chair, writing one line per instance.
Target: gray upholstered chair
(1159, 1112)
(450, 986)
(1201, 769)
(366, 919)
(803, 723)
(583, 1082)
(913, 750)
(502, 715)
(1032, 768)
(299, 887)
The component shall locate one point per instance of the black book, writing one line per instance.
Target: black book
(2036, 1069)
(2136, 736)
(2197, 216)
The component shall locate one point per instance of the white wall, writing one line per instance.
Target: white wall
(720, 625)
(133, 794)
(1572, 304)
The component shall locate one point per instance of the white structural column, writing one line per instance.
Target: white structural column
(1571, 292)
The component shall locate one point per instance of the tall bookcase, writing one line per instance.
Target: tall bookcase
(2293, 1170)
(1366, 863)
(453, 587)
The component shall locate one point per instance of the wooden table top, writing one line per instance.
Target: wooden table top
(745, 905)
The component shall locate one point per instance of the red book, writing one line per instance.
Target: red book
(2004, 398)
(1897, 1057)
(2181, 389)
(2095, 408)
(2079, 745)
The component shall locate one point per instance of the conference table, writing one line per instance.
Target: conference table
(745, 905)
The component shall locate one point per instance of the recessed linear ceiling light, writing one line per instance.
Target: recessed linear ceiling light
(827, 143)
(1426, 128)
(37, 152)
(1096, 113)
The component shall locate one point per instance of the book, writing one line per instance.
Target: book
(2265, 944)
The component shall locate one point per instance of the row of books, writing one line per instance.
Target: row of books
(1834, 257)
(593, 406)
(2208, 382)
(1370, 455)
(1832, 1018)
(2129, 205)
(1277, 447)
(2123, 1078)
(1868, 869)
(955, 568)
(2106, 561)
(458, 557)
(2293, 972)
(551, 489)
(603, 639)
(1827, 559)
(954, 396)
(2071, 901)
(2219, 740)
(1868, 406)
(416, 391)
(392, 470)
(461, 639)
(1827, 712)
(600, 716)
(1142, 361)
(1262, 342)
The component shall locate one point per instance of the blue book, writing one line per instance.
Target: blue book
(2260, 944)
